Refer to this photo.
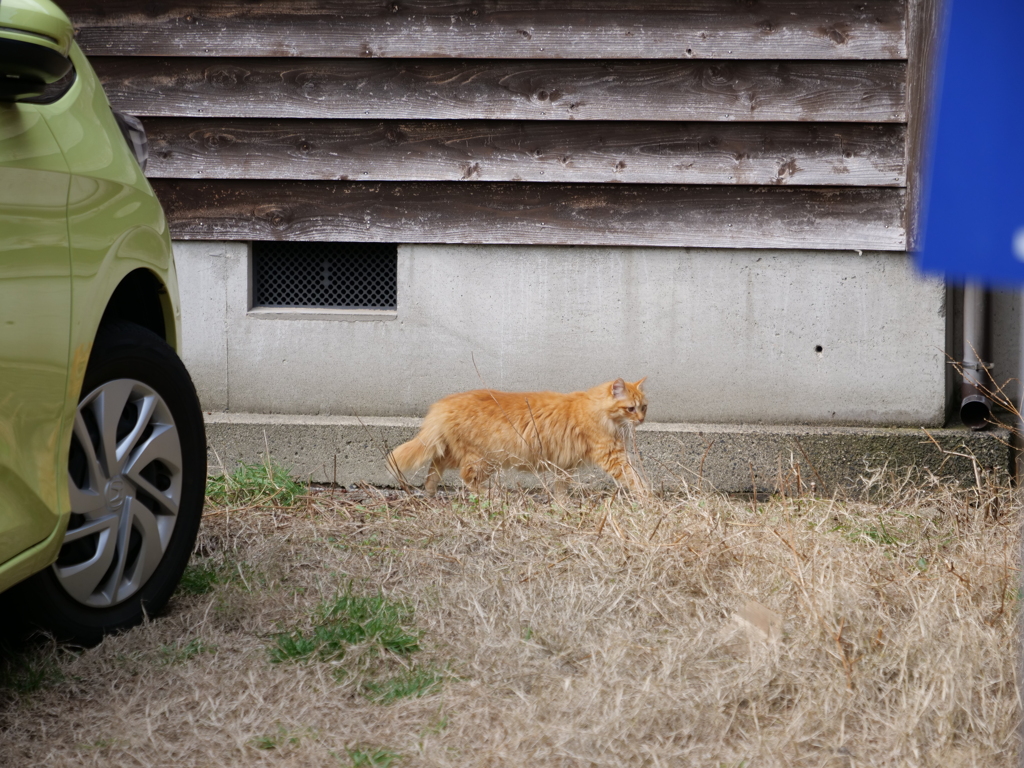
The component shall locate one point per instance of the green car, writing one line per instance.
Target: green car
(102, 444)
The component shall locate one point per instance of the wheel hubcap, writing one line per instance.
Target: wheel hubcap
(114, 494)
(124, 478)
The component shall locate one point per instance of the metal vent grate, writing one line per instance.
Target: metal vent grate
(328, 275)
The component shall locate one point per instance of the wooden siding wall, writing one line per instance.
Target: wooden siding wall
(718, 123)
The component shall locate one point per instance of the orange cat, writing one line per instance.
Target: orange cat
(484, 430)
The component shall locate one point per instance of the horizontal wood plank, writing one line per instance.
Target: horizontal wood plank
(591, 29)
(536, 214)
(634, 153)
(404, 89)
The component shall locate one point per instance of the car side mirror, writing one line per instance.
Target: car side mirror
(35, 40)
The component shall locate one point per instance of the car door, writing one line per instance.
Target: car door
(35, 320)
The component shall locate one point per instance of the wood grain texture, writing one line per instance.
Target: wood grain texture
(839, 154)
(536, 214)
(925, 22)
(595, 29)
(553, 90)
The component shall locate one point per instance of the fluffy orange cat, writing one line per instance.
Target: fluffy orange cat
(484, 430)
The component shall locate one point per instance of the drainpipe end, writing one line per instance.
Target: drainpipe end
(975, 408)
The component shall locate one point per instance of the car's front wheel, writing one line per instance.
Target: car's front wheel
(136, 476)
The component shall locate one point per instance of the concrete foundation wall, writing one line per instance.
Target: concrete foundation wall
(724, 336)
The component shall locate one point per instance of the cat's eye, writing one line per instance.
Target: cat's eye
(631, 409)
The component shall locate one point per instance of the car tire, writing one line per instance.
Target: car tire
(137, 481)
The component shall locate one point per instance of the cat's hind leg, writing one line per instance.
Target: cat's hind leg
(433, 480)
(563, 479)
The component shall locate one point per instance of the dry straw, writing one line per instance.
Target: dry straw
(694, 629)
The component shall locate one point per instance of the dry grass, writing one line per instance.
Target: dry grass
(599, 635)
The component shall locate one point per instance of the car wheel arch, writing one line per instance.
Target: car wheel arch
(141, 297)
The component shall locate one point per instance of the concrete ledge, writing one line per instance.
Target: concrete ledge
(346, 450)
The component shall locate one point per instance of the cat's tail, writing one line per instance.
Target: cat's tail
(422, 449)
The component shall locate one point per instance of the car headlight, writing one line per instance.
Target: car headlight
(135, 135)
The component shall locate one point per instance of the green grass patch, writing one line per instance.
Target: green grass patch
(877, 534)
(409, 683)
(350, 620)
(199, 579)
(202, 577)
(282, 737)
(382, 629)
(24, 673)
(179, 654)
(880, 535)
(266, 483)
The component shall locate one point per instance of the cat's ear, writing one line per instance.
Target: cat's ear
(639, 384)
(618, 389)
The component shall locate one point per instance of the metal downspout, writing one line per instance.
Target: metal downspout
(975, 405)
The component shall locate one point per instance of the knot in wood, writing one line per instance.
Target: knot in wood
(308, 85)
(275, 218)
(836, 36)
(716, 75)
(225, 78)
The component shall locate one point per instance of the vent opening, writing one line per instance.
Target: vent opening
(325, 275)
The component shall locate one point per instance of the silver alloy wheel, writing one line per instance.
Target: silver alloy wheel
(125, 480)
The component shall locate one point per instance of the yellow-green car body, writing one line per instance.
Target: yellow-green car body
(83, 244)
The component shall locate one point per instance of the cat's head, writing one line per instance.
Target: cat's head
(628, 401)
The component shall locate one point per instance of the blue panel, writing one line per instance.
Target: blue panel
(974, 199)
